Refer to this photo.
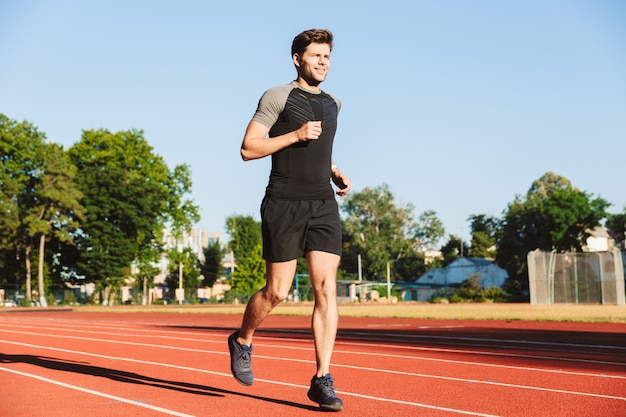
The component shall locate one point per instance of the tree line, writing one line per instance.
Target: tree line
(96, 212)
(90, 213)
(552, 215)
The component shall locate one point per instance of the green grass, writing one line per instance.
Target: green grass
(471, 311)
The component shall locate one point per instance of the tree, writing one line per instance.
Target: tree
(56, 209)
(211, 269)
(145, 273)
(552, 216)
(9, 215)
(616, 224)
(22, 150)
(452, 250)
(248, 276)
(246, 242)
(129, 195)
(188, 262)
(245, 235)
(428, 230)
(570, 216)
(410, 266)
(547, 184)
(483, 230)
(380, 232)
(9, 191)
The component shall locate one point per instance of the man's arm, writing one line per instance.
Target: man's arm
(257, 145)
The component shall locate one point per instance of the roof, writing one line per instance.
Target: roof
(462, 269)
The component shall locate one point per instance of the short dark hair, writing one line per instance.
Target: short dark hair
(304, 39)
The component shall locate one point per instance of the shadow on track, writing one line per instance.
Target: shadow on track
(133, 378)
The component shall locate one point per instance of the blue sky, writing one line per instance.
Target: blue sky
(456, 105)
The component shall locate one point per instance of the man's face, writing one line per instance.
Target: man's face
(314, 63)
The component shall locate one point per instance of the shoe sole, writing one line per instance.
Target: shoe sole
(247, 384)
(335, 407)
(327, 407)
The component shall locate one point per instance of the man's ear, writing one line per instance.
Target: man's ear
(296, 60)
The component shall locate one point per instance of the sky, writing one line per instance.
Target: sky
(457, 106)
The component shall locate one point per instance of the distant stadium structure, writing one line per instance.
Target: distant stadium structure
(576, 278)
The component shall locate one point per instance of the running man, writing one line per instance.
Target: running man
(295, 123)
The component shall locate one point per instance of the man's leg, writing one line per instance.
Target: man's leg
(279, 277)
(323, 272)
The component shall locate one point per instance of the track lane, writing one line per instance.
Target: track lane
(447, 376)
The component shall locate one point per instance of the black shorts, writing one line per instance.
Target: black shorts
(293, 227)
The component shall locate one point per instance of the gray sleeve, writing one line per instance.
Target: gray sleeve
(271, 105)
(338, 103)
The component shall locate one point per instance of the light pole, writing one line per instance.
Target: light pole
(180, 283)
(389, 282)
(360, 266)
(389, 277)
(180, 292)
(144, 298)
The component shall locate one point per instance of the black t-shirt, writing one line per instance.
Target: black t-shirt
(301, 171)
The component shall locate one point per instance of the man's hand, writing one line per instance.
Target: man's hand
(309, 131)
(342, 182)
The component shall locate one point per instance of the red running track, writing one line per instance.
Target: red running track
(157, 364)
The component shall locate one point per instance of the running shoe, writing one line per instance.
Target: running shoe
(323, 393)
(240, 360)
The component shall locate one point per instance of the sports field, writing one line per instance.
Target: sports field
(472, 311)
(124, 361)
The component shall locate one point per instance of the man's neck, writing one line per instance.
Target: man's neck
(304, 84)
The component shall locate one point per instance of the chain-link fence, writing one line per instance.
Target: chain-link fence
(577, 278)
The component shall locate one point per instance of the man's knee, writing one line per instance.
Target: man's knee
(279, 278)
(325, 288)
(274, 295)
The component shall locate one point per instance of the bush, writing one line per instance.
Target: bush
(470, 291)
(382, 290)
(497, 295)
(51, 300)
(456, 298)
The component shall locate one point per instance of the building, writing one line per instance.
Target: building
(196, 240)
(599, 241)
(488, 272)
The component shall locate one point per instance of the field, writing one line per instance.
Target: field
(464, 311)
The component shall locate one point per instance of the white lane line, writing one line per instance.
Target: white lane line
(349, 352)
(120, 342)
(380, 337)
(431, 407)
(134, 334)
(443, 350)
(483, 340)
(375, 340)
(98, 393)
(268, 381)
(490, 365)
(385, 338)
(498, 384)
(361, 368)
(486, 353)
(337, 351)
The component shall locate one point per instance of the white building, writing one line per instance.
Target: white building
(196, 240)
(488, 273)
(599, 241)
